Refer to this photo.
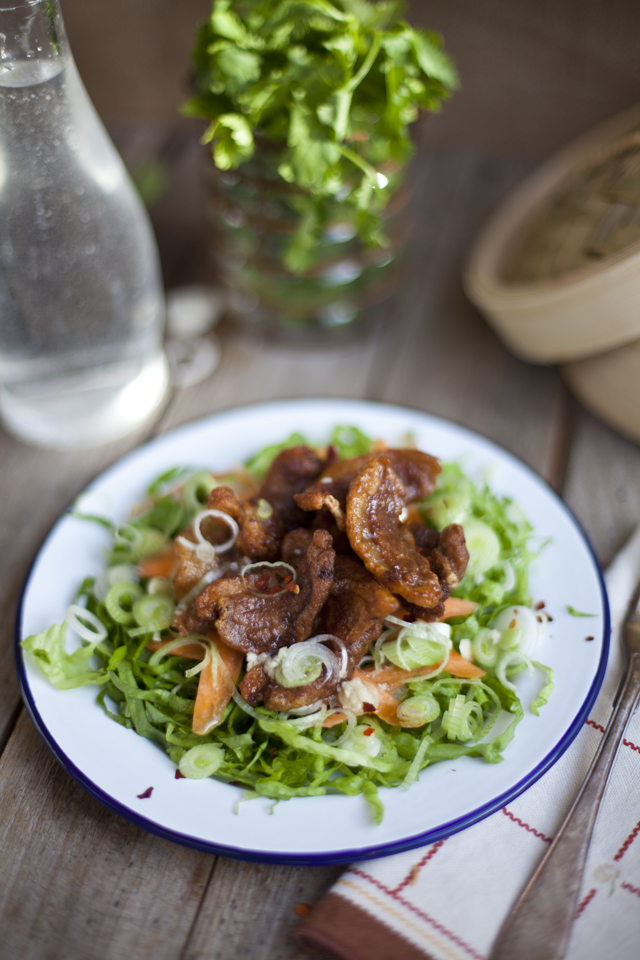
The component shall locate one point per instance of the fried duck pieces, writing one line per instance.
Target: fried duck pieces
(354, 612)
(256, 623)
(273, 512)
(415, 469)
(386, 545)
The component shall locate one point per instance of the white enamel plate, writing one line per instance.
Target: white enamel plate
(116, 765)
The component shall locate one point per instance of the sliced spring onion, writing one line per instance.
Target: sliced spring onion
(509, 576)
(511, 660)
(483, 546)
(210, 653)
(120, 600)
(466, 648)
(264, 565)
(108, 578)
(308, 720)
(445, 508)
(196, 491)
(519, 629)
(203, 582)
(362, 740)
(344, 654)
(160, 585)
(242, 703)
(154, 611)
(419, 644)
(418, 710)
(264, 510)
(413, 771)
(306, 711)
(218, 514)
(86, 624)
(201, 761)
(351, 722)
(302, 663)
(172, 645)
(139, 542)
(462, 718)
(203, 548)
(485, 647)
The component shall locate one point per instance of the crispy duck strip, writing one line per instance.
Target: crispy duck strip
(190, 569)
(385, 545)
(262, 623)
(354, 612)
(260, 535)
(416, 470)
(448, 557)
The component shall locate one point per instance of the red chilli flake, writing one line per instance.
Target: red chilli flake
(589, 638)
(235, 783)
(179, 776)
(368, 708)
(147, 793)
(512, 625)
(368, 732)
(303, 909)
(540, 605)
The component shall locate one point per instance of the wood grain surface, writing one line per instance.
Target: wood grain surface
(78, 882)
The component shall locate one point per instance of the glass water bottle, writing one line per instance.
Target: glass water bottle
(81, 303)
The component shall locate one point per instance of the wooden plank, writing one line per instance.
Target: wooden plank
(250, 910)
(77, 881)
(603, 485)
(253, 371)
(444, 358)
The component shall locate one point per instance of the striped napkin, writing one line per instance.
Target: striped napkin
(447, 901)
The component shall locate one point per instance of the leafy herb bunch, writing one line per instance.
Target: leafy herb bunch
(333, 86)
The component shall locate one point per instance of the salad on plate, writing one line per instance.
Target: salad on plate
(322, 619)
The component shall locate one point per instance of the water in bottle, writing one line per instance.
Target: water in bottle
(81, 306)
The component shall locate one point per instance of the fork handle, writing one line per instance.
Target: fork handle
(539, 924)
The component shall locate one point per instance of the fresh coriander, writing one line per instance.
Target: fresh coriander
(333, 88)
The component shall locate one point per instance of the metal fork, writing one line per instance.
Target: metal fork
(539, 925)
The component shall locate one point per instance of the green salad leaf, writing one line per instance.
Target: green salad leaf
(275, 755)
(578, 613)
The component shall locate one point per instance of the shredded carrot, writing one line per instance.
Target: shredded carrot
(215, 687)
(394, 677)
(158, 564)
(455, 607)
(334, 720)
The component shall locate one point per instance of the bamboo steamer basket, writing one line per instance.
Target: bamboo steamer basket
(609, 386)
(580, 294)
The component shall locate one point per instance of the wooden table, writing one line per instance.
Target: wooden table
(76, 881)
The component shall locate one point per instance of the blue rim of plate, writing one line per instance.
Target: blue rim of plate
(339, 856)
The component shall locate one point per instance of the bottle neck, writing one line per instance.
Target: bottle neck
(31, 32)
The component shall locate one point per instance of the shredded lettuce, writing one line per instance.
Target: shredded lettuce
(64, 670)
(268, 755)
(578, 613)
